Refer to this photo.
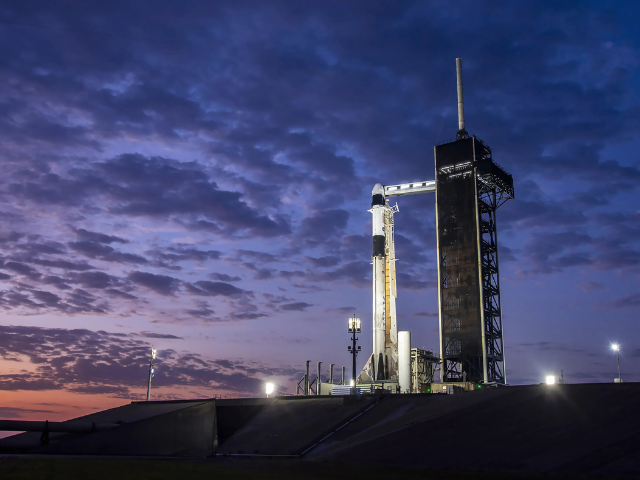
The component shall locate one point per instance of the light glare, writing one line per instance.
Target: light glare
(355, 325)
(551, 379)
(615, 347)
(269, 388)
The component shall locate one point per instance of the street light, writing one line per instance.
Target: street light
(355, 326)
(269, 388)
(151, 370)
(616, 348)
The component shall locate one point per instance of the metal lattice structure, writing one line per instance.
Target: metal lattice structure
(470, 188)
(423, 366)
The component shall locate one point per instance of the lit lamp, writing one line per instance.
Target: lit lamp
(550, 380)
(151, 370)
(355, 326)
(616, 348)
(269, 388)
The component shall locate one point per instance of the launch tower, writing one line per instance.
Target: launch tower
(470, 187)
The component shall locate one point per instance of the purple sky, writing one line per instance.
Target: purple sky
(197, 175)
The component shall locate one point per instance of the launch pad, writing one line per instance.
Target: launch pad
(469, 187)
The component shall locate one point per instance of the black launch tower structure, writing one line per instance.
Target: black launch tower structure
(470, 187)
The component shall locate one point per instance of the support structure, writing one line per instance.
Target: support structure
(470, 188)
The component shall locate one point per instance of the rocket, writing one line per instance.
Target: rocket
(379, 260)
(382, 364)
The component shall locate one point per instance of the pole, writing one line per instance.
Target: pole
(619, 376)
(153, 355)
(306, 379)
(460, 100)
(318, 381)
(343, 375)
(353, 371)
(331, 373)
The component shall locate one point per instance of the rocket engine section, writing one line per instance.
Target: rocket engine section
(382, 364)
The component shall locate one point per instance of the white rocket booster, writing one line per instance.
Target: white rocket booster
(383, 362)
(378, 257)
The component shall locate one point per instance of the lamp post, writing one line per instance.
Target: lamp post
(153, 357)
(355, 327)
(616, 348)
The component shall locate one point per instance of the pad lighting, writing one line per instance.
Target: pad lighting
(269, 388)
(355, 326)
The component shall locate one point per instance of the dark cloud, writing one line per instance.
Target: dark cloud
(21, 269)
(98, 237)
(223, 277)
(159, 335)
(95, 280)
(296, 306)
(64, 264)
(324, 262)
(105, 252)
(161, 284)
(213, 289)
(170, 257)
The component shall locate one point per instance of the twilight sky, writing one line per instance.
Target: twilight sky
(197, 175)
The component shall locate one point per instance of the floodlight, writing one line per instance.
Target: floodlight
(551, 379)
(355, 326)
(269, 388)
(352, 383)
(153, 353)
(616, 348)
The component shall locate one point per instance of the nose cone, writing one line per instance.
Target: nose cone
(378, 189)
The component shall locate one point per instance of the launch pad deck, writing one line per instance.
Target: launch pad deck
(583, 428)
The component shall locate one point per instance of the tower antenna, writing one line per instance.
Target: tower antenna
(461, 133)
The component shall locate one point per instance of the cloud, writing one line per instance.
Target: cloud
(214, 289)
(296, 306)
(223, 277)
(99, 362)
(97, 237)
(589, 286)
(161, 284)
(159, 335)
(629, 301)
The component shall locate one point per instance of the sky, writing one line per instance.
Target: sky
(197, 176)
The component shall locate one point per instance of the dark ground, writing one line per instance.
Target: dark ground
(23, 468)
